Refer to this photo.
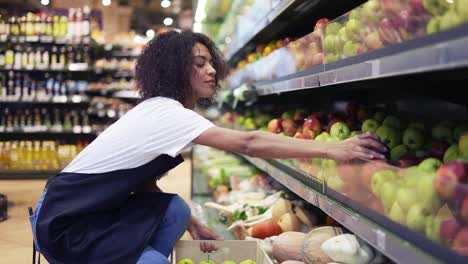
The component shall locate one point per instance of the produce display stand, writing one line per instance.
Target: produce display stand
(409, 67)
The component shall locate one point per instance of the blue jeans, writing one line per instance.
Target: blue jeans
(33, 218)
(171, 228)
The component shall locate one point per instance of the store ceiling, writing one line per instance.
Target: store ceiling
(150, 13)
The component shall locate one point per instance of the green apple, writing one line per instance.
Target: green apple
(342, 34)
(353, 28)
(335, 183)
(417, 125)
(288, 115)
(333, 139)
(185, 261)
(427, 194)
(355, 133)
(393, 121)
(398, 151)
(331, 58)
(332, 28)
(461, 6)
(409, 176)
(450, 20)
(379, 116)
(451, 154)
(406, 197)
(228, 262)
(322, 137)
(350, 48)
(389, 135)
(459, 130)
(430, 165)
(370, 125)
(340, 130)
(436, 7)
(284, 134)
(463, 145)
(379, 177)
(264, 128)
(397, 214)
(432, 230)
(416, 218)
(413, 138)
(371, 10)
(388, 192)
(433, 26)
(250, 124)
(355, 14)
(248, 261)
(240, 120)
(442, 132)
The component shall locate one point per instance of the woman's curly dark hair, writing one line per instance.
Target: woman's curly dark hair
(165, 65)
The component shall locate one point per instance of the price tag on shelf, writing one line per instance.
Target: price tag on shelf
(381, 239)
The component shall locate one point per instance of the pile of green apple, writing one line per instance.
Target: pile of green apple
(446, 14)
(190, 261)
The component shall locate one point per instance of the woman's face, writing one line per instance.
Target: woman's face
(203, 77)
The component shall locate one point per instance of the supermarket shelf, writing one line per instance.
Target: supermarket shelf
(259, 26)
(47, 136)
(44, 40)
(27, 174)
(78, 68)
(75, 100)
(439, 52)
(397, 244)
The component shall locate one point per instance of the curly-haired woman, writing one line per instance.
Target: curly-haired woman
(105, 206)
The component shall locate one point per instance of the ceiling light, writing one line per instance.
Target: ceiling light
(165, 3)
(150, 33)
(106, 2)
(45, 2)
(168, 21)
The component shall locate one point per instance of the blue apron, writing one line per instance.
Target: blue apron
(98, 218)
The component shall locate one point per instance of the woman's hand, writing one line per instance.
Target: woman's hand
(365, 146)
(199, 231)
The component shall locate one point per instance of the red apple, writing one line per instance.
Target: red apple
(302, 135)
(460, 243)
(388, 34)
(417, 6)
(289, 126)
(392, 6)
(464, 210)
(274, 126)
(449, 229)
(321, 22)
(312, 124)
(448, 178)
(299, 117)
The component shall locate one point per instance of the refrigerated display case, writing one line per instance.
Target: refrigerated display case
(400, 60)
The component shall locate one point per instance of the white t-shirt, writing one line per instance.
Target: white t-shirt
(154, 127)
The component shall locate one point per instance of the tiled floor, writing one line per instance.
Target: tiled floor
(15, 233)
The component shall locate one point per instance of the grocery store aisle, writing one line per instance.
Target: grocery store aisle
(15, 233)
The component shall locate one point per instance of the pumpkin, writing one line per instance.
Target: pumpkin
(288, 246)
(311, 249)
(266, 229)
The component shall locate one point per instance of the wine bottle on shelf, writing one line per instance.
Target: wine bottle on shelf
(3, 29)
(63, 26)
(9, 124)
(39, 27)
(24, 58)
(2, 57)
(30, 28)
(86, 127)
(54, 59)
(41, 91)
(67, 124)
(37, 123)
(18, 57)
(14, 26)
(28, 127)
(3, 87)
(3, 123)
(57, 82)
(76, 123)
(78, 24)
(31, 57)
(49, 26)
(46, 122)
(10, 85)
(56, 27)
(26, 88)
(57, 125)
(9, 58)
(71, 23)
(49, 85)
(62, 58)
(38, 58)
(45, 59)
(86, 23)
(18, 86)
(22, 26)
